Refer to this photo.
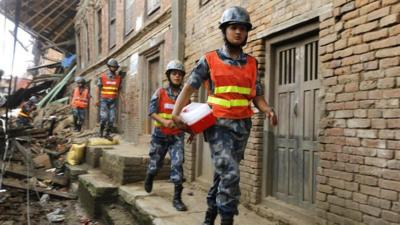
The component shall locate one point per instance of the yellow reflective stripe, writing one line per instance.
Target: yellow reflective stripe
(163, 115)
(232, 89)
(228, 103)
(23, 114)
(108, 92)
(109, 88)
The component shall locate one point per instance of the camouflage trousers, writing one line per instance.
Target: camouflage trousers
(23, 121)
(79, 115)
(159, 146)
(107, 112)
(227, 139)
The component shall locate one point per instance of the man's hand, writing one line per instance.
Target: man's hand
(178, 122)
(168, 124)
(273, 119)
(97, 104)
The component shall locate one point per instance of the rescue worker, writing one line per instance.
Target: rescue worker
(109, 84)
(79, 102)
(232, 81)
(166, 137)
(24, 116)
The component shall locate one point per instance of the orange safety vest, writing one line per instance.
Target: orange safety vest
(80, 99)
(110, 87)
(165, 107)
(24, 114)
(234, 87)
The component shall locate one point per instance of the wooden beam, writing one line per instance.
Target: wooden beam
(50, 21)
(68, 42)
(40, 11)
(19, 185)
(65, 28)
(26, 153)
(48, 14)
(20, 170)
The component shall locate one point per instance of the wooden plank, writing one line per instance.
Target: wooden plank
(47, 16)
(20, 170)
(26, 153)
(17, 184)
(40, 12)
(55, 18)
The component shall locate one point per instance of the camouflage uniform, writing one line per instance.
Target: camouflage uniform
(161, 144)
(107, 106)
(227, 139)
(79, 115)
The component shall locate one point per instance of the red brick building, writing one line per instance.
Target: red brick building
(331, 69)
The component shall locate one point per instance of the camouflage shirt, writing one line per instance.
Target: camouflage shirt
(201, 73)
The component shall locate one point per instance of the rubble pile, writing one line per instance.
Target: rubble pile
(36, 162)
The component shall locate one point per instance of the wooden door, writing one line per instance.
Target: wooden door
(152, 80)
(296, 98)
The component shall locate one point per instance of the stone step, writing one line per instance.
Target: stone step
(128, 163)
(156, 208)
(96, 189)
(73, 171)
(94, 153)
(115, 214)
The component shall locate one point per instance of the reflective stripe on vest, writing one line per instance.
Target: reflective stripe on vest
(228, 103)
(23, 114)
(80, 99)
(165, 107)
(162, 115)
(109, 87)
(234, 87)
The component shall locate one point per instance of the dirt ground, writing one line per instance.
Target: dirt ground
(13, 210)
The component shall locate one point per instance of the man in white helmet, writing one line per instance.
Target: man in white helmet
(233, 83)
(166, 137)
(24, 116)
(109, 85)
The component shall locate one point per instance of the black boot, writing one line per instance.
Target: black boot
(75, 124)
(148, 183)
(177, 202)
(227, 220)
(102, 130)
(210, 217)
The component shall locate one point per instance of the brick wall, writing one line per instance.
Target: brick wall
(155, 25)
(359, 177)
(203, 35)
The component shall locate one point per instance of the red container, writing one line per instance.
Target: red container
(198, 117)
(203, 124)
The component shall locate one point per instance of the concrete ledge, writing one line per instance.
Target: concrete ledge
(93, 155)
(74, 171)
(128, 163)
(156, 208)
(94, 190)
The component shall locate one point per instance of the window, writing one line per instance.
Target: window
(152, 6)
(99, 31)
(129, 10)
(203, 2)
(78, 48)
(113, 24)
(87, 42)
